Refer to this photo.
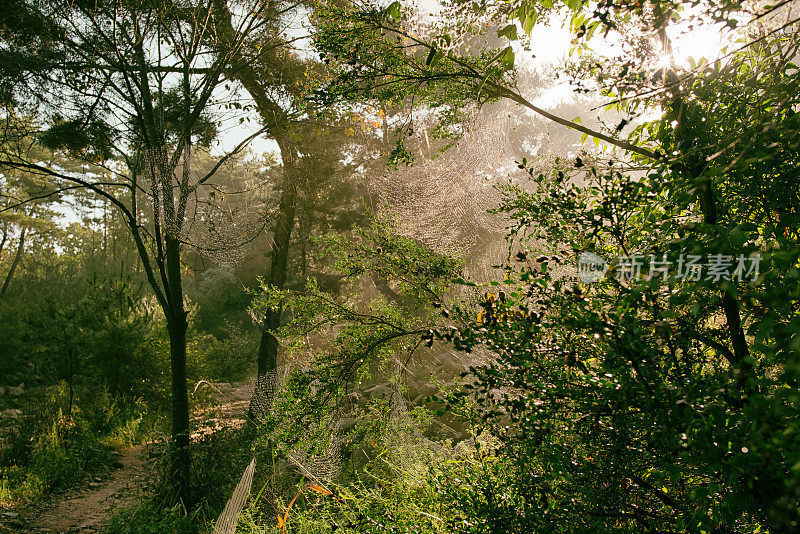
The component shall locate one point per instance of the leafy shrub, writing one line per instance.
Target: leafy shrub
(47, 449)
(228, 357)
(489, 493)
(150, 519)
(19, 486)
(218, 460)
(67, 452)
(220, 300)
(383, 485)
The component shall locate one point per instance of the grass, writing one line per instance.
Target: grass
(48, 450)
(150, 519)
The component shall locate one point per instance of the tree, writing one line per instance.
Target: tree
(23, 213)
(131, 87)
(318, 148)
(636, 402)
(355, 336)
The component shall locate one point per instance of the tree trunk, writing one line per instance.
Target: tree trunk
(71, 380)
(273, 116)
(14, 263)
(176, 328)
(276, 277)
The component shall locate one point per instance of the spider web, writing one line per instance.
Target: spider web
(443, 202)
(219, 222)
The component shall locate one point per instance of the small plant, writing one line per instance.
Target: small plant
(149, 519)
(18, 486)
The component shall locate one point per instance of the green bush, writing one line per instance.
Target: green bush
(48, 449)
(226, 356)
(384, 483)
(19, 486)
(218, 460)
(66, 453)
(150, 519)
(488, 493)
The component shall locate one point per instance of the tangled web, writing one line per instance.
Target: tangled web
(316, 451)
(315, 454)
(444, 201)
(217, 220)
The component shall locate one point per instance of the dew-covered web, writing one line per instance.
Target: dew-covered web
(224, 229)
(216, 209)
(228, 519)
(443, 201)
(316, 451)
(315, 454)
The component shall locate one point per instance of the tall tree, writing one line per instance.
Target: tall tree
(132, 87)
(280, 83)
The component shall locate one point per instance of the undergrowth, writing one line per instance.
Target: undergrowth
(48, 448)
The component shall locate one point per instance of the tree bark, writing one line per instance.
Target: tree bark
(276, 277)
(15, 262)
(176, 328)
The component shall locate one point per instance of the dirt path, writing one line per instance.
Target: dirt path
(227, 407)
(88, 508)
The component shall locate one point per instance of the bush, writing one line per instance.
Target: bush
(489, 493)
(150, 519)
(383, 484)
(229, 357)
(47, 449)
(218, 460)
(67, 453)
(19, 486)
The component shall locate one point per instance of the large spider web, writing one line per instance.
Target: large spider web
(444, 201)
(218, 221)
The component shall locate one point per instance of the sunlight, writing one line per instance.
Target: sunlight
(695, 43)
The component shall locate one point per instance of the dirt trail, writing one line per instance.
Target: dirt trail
(88, 508)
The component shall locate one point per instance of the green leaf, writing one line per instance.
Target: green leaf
(393, 11)
(529, 21)
(509, 31)
(433, 57)
(507, 58)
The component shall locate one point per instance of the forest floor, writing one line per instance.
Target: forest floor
(88, 508)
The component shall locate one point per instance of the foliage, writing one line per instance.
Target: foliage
(46, 450)
(489, 493)
(640, 402)
(228, 357)
(220, 298)
(147, 519)
(411, 281)
(375, 58)
(383, 485)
